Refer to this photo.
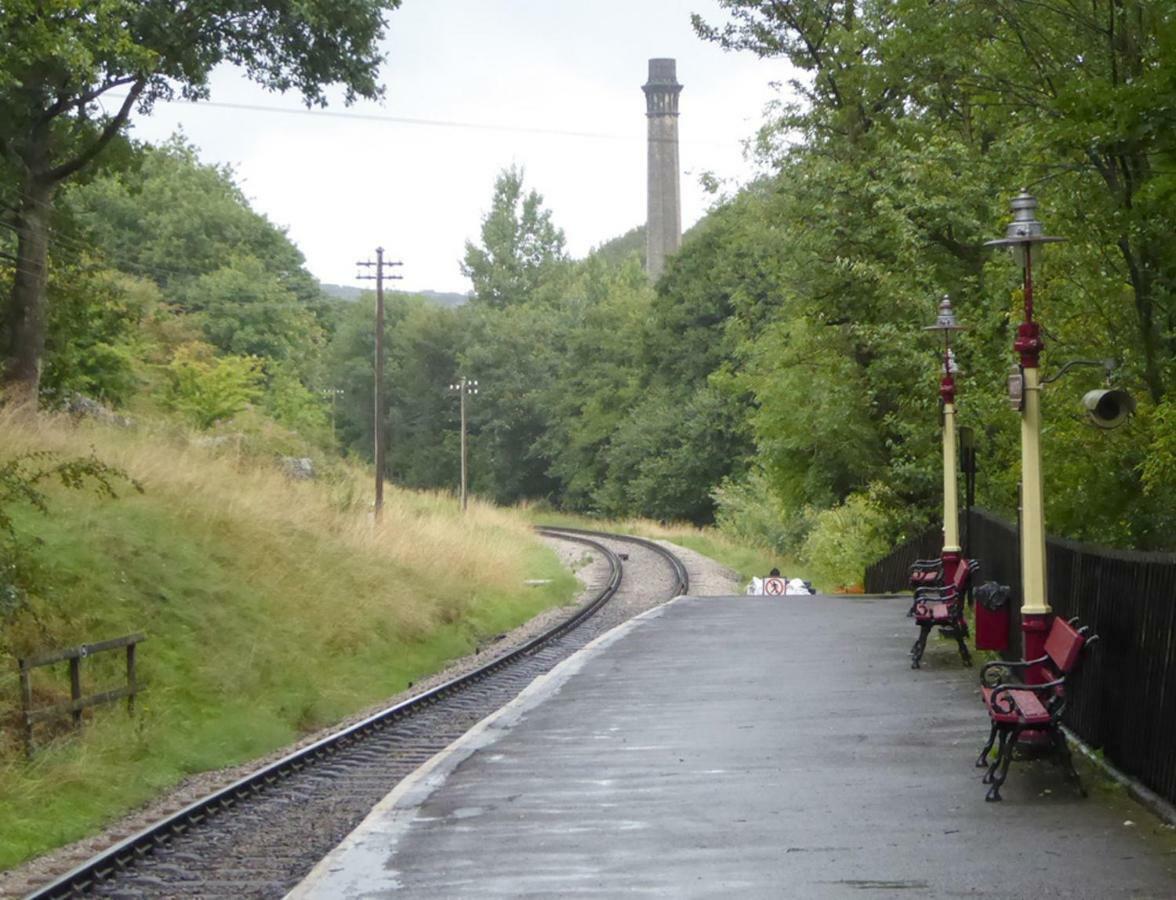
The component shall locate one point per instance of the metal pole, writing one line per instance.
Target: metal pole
(950, 554)
(464, 495)
(951, 514)
(1035, 609)
(379, 386)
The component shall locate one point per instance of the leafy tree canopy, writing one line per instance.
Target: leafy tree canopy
(61, 61)
(520, 249)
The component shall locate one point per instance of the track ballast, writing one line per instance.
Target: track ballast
(259, 836)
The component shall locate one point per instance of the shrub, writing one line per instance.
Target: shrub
(747, 510)
(205, 388)
(846, 539)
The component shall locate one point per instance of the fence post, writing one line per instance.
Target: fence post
(26, 704)
(75, 688)
(131, 679)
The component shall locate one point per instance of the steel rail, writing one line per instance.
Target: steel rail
(124, 854)
(683, 578)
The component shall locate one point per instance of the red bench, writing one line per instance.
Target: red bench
(943, 608)
(1028, 717)
(926, 573)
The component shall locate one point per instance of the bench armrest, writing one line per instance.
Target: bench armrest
(927, 564)
(936, 593)
(1002, 664)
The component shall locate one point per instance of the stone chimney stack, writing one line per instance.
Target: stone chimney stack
(663, 225)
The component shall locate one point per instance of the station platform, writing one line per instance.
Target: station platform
(747, 747)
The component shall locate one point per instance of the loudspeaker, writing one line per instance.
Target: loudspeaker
(1108, 408)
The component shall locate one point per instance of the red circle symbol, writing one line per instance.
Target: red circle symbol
(775, 587)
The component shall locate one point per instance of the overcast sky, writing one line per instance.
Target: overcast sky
(491, 69)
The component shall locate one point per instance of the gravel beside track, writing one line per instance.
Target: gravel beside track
(269, 842)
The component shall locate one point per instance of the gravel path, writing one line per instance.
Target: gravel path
(644, 587)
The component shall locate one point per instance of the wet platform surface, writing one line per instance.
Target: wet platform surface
(750, 747)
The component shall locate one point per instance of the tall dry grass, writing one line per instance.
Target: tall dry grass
(272, 607)
(218, 487)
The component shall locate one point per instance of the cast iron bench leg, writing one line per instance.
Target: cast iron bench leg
(920, 646)
(982, 759)
(1002, 734)
(961, 633)
(1006, 757)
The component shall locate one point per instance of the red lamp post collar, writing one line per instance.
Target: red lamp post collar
(1025, 236)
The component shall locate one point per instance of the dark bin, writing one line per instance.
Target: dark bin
(992, 616)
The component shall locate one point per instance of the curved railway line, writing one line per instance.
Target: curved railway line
(260, 835)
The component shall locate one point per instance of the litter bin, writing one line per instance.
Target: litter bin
(992, 616)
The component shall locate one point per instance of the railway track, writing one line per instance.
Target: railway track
(260, 835)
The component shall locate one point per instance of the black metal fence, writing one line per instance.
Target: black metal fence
(893, 572)
(1124, 696)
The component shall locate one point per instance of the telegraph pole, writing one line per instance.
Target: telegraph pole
(334, 394)
(378, 430)
(464, 387)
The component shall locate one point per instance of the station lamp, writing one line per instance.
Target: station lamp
(1026, 237)
(946, 323)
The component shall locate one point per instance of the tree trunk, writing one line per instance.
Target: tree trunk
(1142, 263)
(27, 307)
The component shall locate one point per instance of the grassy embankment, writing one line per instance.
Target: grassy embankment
(272, 608)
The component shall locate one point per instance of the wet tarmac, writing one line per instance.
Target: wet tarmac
(746, 747)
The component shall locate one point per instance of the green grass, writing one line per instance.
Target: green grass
(271, 609)
(748, 561)
(269, 613)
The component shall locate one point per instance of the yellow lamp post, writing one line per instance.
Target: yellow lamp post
(1026, 237)
(950, 555)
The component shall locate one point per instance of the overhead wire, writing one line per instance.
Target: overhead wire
(80, 247)
(429, 123)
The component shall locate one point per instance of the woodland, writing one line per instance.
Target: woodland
(775, 381)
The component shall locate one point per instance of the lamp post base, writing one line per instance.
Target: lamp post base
(1034, 627)
(951, 561)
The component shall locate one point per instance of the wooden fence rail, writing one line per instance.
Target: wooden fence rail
(78, 702)
(1124, 697)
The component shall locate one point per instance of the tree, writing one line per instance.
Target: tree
(206, 388)
(596, 380)
(913, 115)
(520, 249)
(61, 61)
(511, 352)
(96, 335)
(166, 216)
(421, 341)
(246, 311)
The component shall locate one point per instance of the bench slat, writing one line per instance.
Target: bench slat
(1028, 709)
(1063, 645)
(936, 613)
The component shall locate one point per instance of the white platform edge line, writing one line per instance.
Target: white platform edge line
(391, 817)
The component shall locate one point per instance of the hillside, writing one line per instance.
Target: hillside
(272, 607)
(447, 299)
